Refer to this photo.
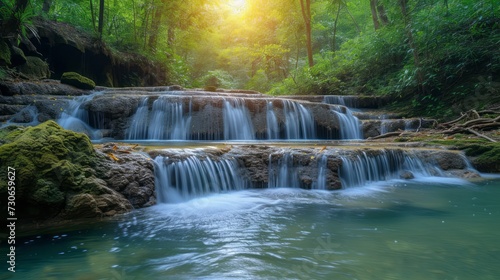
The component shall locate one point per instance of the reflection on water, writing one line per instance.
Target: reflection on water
(399, 230)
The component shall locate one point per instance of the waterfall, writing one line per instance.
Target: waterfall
(350, 127)
(27, 113)
(237, 122)
(321, 179)
(167, 120)
(76, 118)
(299, 123)
(272, 123)
(193, 177)
(348, 101)
(138, 128)
(283, 174)
(367, 168)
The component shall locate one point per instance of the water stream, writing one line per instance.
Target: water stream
(390, 230)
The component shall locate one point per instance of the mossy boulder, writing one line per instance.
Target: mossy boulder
(52, 165)
(34, 68)
(77, 80)
(4, 54)
(485, 156)
(17, 57)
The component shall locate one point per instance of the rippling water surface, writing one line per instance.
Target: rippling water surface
(395, 230)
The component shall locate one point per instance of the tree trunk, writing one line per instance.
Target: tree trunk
(373, 7)
(155, 26)
(46, 6)
(306, 14)
(101, 18)
(411, 43)
(335, 27)
(382, 14)
(92, 13)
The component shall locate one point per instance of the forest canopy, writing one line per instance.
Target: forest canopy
(428, 53)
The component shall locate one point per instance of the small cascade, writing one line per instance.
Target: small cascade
(283, 174)
(237, 122)
(273, 131)
(138, 128)
(193, 177)
(299, 122)
(350, 126)
(166, 121)
(388, 164)
(321, 180)
(27, 116)
(348, 101)
(77, 118)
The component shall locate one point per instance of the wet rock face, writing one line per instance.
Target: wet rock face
(58, 174)
(130, 174)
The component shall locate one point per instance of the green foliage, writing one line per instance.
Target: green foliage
(16, 21)
(218, 79)
(458, 59)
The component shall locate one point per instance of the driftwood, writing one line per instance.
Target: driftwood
(472, 121)
(386, 135)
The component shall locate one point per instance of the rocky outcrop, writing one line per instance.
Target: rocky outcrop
(58, 174)
(67, 49)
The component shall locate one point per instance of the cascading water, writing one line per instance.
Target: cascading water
(348, 101)
(350, 127)
(299, 123)
(138, 127)
(166, 121)
(76, 118)
(193, 177)
(237, 122)
(321, 179)
(273, 131)
(283, 174)
(28, 113)
(388, 164)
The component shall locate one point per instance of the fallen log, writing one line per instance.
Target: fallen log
(481, 135)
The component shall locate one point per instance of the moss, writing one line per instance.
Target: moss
(485, 156)
(50, 163)
(4, 53)
(77, 80)
(34, 68)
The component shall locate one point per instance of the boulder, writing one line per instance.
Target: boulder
(34, 68)
(17, 57)
(77, 80)
(5, 54)
(57, 175)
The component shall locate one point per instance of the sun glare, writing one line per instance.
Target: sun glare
(237, 5)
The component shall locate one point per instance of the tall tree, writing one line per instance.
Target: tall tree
(47, 4)
(373, 8)
(101, 18)
(155, 25)
(306, 15)
(411, 43)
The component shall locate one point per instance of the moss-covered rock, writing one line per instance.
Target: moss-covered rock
(52, 165)
(17, 57)
(77, 80)
(4, 53)
(34, 68)
(485, 157)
